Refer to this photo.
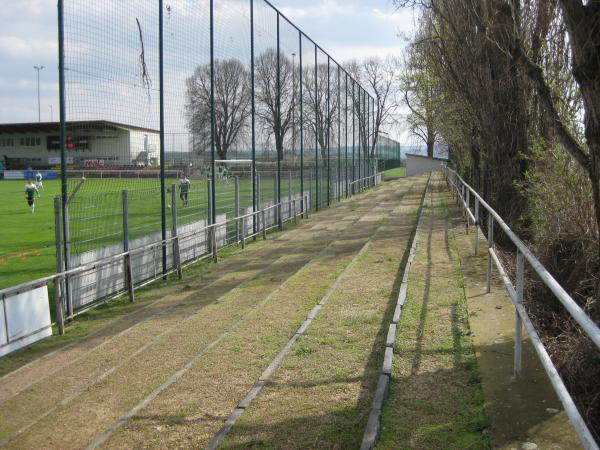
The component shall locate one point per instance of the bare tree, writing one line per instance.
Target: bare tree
(379, 76)
(275, 98)
(232, 104)
(321, 103)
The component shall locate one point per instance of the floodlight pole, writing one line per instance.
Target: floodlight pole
(38, 68)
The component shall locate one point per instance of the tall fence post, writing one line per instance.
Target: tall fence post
(490, 239)
(161, 93)
(476, 226)
(237, 208)
(127, 259)
(175, 234)
(58, 306)
(209, 212)
(518, 321)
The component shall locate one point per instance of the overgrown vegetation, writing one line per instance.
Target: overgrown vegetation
(512, 89)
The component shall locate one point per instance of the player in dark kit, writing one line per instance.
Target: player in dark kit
(184, 189)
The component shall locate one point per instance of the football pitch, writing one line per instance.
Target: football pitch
(27, 243)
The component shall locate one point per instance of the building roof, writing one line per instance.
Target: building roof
(427, 157)
(54, 127)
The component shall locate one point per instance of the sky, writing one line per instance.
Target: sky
(345, 28)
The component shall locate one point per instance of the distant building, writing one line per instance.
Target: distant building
(417, 164)
(95, 143)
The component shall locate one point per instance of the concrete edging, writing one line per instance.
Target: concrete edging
(373, 424)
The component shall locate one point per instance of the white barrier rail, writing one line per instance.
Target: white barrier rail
(463, 191)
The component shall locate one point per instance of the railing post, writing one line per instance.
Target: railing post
(264, 224)
(278, 201)
(466, 206)
(476, 226)
(490, 238)
(127, 259)
(306, 207)
(58, 306)
(214, 242)
(237, 208)
(518, 321)
(289, 194)
(294, 211)
(243, 235)
(174, 233)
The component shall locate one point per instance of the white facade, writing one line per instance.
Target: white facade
(418, 164)
(89, 144)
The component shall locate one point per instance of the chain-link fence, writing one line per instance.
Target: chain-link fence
(176, 115)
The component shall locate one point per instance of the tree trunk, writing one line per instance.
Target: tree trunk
(430, 142)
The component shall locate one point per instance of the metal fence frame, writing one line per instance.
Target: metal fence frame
(463, 192)
(364, 111)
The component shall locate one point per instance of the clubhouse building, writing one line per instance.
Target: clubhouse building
(96, 143)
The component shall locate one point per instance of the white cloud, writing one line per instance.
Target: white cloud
(16, 47)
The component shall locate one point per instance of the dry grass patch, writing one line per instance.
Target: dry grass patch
(321, 395)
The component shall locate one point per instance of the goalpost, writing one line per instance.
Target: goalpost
(235, 167)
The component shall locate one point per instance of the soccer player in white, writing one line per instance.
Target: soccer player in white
(38, 180)
(30, 191)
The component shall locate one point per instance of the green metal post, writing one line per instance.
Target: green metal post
(163, 204)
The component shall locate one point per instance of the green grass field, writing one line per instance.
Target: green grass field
(397, 172)
(27, 247)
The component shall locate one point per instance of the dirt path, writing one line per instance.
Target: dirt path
(168, 373)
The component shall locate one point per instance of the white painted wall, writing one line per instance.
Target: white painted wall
(416, 165)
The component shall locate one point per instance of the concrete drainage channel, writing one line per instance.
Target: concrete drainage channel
(372, 429)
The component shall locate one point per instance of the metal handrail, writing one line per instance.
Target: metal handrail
(590, 327)
(28, 285)
(516, 296)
